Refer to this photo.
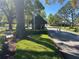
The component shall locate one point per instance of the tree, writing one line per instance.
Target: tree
(54, 19)
(50, 19)
(38, 6)
(77, 21)
(20, 29)
(43, 14)
(29, 8)
(8, 8)
(20, 15)
(53, 1)
(73, 2)
(68, 13)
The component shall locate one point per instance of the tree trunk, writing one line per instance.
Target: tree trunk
(72, 15)
(9, 18)
(10, 23)
(20, 29)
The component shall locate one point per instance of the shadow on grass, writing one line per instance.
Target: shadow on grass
(43, 42)
(26, 54)
(23, 54)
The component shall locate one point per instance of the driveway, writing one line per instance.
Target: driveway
(68, 43)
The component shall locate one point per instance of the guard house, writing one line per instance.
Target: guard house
(38, 23)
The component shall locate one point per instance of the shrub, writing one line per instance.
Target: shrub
(76, 30)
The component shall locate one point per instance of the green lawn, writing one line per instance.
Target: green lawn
(36, 47)
(39, 47)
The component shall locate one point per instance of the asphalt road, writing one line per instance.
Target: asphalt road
(67, 42)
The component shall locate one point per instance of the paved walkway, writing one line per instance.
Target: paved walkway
(67, 42)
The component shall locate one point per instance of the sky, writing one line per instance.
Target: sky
(53, 8)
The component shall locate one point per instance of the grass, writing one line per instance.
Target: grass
(38, 47)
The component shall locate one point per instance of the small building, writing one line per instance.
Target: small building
(38, 23)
